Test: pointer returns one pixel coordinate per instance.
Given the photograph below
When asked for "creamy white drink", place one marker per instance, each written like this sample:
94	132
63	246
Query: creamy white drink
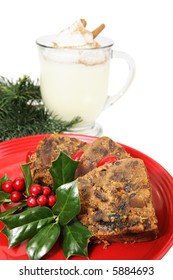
74	88
74	75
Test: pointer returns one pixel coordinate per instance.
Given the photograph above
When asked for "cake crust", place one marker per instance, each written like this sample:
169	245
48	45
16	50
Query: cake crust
116	202
48	150
116	199
94	152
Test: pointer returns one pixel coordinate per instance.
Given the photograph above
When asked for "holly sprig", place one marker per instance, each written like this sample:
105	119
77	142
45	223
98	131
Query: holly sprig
43	226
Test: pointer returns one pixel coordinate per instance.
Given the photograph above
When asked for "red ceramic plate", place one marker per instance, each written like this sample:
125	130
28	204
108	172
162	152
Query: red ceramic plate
13	153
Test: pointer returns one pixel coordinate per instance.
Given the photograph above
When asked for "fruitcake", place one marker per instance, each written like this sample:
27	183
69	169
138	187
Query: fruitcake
98	149
48	150
116	202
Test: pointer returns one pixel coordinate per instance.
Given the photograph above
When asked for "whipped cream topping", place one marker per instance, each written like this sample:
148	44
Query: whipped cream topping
75	44
75	36
86	56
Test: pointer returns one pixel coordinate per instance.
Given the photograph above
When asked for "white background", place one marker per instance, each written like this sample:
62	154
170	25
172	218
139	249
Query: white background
143	117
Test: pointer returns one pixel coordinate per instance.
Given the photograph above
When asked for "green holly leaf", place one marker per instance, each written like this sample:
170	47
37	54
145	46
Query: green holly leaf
27	176
26	224
28	216
63	170
67	205
43	225
75	239
43	241
4	197
13	210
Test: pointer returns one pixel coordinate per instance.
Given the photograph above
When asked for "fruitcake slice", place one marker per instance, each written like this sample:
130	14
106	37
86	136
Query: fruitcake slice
116	202
48	150
98	149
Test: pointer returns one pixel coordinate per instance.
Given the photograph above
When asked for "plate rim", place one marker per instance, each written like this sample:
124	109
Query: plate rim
83	137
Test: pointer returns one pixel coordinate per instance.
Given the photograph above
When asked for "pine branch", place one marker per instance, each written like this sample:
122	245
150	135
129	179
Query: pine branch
22	112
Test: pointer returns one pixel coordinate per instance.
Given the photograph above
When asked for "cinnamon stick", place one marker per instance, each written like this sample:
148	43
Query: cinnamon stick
83	22
96	31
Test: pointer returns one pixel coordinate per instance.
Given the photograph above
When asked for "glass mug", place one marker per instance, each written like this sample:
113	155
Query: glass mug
74	81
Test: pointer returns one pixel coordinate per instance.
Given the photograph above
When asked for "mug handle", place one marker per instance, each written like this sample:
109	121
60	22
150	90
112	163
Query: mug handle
118	54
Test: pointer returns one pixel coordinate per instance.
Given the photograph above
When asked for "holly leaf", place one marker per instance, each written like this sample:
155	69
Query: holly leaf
4	197
43	241
26	224
75	239
28	216
13	210
67	205
27	176
63	170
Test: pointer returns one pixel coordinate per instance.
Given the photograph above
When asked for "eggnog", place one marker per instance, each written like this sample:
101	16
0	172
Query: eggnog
72	89
74	74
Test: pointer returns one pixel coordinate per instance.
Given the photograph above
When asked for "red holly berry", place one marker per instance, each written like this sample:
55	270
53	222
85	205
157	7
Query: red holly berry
15	196
46	190
42	200
51	200
19	184
7	186
32	201
35	190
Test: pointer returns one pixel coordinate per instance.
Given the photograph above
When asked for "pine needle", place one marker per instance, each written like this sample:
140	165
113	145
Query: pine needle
22	112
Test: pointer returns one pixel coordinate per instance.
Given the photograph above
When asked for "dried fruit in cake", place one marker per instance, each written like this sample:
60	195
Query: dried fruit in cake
97	150
47	151
116	202
116	198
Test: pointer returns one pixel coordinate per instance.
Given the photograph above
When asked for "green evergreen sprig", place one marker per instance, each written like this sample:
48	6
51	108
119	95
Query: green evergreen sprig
23	113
